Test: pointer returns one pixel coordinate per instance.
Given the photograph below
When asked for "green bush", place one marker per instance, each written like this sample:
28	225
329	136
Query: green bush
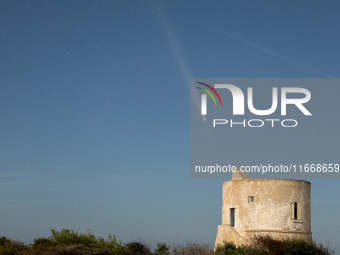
43	241
70	237
230	248
7	251
137	248
288	246
11	247
112	244
162	248
3	240
293	246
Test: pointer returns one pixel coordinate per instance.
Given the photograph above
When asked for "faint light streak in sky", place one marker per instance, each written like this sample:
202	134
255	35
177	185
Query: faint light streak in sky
264	49
172	40
174	43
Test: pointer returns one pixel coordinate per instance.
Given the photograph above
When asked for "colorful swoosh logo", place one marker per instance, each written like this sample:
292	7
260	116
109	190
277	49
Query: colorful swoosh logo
208	92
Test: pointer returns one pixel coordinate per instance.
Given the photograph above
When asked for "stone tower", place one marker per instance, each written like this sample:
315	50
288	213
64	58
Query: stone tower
277	207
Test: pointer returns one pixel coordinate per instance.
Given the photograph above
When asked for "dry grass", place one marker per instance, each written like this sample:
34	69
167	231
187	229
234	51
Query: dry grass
192	249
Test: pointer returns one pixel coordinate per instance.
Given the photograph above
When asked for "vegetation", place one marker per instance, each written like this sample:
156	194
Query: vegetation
266	245
69	242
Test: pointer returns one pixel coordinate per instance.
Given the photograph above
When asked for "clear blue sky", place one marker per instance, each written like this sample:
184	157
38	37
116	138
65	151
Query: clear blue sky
94	109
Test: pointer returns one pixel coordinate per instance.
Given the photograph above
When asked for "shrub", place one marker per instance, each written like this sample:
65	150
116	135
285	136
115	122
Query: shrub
111	243
70	237
192	248
137	248
79	249
73	238
162	248
42	241
230	248
11	247
267	244
293	246
3	240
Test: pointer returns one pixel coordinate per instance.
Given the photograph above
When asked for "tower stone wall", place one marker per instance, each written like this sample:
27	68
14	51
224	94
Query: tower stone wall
277	207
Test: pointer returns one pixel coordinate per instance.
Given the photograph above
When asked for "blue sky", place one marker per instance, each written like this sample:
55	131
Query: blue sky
94	109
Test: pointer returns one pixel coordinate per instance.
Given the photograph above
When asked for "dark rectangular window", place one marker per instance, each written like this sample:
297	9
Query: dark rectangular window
232	217
295	211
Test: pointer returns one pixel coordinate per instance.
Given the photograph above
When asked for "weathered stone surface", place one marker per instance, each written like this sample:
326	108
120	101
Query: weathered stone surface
239	173
228	233
271	211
